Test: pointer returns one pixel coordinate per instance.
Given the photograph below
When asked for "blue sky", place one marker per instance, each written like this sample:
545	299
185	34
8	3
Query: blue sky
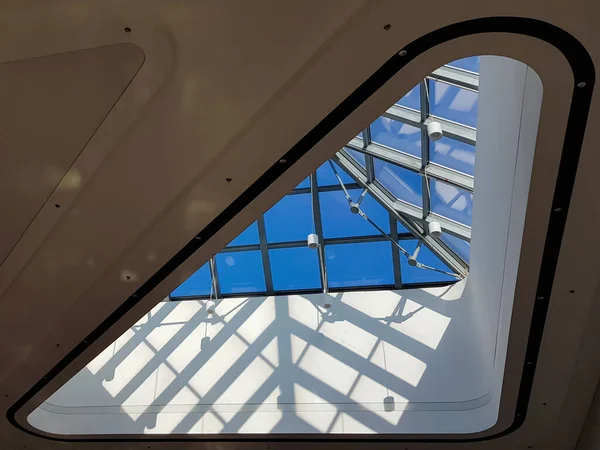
355	264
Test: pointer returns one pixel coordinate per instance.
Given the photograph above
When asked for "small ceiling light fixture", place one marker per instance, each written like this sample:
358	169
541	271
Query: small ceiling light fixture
434	131
312	241
210	306
435	229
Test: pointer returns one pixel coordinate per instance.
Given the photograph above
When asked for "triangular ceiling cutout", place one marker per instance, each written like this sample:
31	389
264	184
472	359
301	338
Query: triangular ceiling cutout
274	335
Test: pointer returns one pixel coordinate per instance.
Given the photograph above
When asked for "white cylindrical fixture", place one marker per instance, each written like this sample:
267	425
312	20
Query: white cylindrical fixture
412	260
210	307
435	229
434	131
312	241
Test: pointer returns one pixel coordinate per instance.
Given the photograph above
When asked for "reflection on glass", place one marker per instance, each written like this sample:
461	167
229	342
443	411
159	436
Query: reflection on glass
295	268
197	285
338	221
240	272
451	202
404	184
357	156
471	64
290	219
412	274
453	103
247	237
362	264
460	247
397	135
411	100
453	154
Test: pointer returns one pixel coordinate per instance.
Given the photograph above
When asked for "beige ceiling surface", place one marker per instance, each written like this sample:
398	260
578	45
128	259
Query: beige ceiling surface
49	109
225	88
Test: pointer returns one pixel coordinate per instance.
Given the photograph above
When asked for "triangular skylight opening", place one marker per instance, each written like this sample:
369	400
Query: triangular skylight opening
271	327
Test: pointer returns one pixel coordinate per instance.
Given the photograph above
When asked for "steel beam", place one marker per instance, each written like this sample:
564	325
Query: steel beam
413	163
333	187
316	207
214	277
458	77
395	254
425	188
264	252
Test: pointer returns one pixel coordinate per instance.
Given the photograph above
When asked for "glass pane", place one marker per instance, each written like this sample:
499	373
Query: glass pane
454	154
453	103
361	264
471	64
460	247
305	183
240	272
397	135
451	202
326	176
412	99
402	229
197	285
416	275
290	219
247	237
295	268
357	156
402	183
338	221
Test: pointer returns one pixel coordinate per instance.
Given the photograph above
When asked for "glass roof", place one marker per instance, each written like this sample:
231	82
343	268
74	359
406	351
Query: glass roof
398	181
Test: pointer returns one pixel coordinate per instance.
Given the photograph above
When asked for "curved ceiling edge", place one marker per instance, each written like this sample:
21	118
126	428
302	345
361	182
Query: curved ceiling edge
584	76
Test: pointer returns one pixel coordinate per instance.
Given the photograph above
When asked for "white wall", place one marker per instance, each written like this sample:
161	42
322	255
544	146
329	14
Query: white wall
281	364
510	99
414	361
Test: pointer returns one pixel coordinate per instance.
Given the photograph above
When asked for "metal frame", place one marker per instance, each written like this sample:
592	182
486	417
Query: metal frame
318	224
388	201
412	217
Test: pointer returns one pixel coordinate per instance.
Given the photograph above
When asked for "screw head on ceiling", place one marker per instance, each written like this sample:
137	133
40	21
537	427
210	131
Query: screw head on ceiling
581	84
402	53
387	26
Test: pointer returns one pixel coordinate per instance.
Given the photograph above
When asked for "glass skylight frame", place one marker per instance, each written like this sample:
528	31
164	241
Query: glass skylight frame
422	165
412	217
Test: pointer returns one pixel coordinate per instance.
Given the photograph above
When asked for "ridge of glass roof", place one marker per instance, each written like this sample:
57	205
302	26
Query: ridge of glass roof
403	181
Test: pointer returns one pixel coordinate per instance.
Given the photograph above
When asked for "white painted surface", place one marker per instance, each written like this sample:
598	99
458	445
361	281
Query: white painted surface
283	364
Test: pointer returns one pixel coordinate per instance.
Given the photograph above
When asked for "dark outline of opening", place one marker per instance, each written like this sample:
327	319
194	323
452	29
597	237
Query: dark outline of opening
583	71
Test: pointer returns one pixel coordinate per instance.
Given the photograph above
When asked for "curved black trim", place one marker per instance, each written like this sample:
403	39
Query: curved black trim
583	71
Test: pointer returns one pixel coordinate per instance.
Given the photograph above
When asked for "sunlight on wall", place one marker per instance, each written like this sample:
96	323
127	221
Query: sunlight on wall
425	325
275	364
